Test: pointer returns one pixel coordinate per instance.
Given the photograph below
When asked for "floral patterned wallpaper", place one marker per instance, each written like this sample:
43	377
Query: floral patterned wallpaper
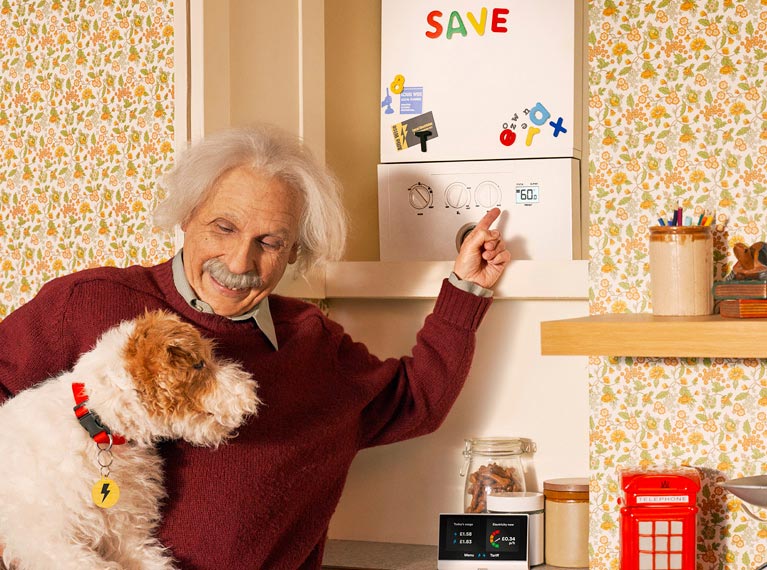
677	117
86	128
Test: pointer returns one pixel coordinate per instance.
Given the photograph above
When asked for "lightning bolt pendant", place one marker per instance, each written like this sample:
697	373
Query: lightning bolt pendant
105	493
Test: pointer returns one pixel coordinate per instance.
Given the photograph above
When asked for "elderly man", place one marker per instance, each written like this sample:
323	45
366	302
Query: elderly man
252	201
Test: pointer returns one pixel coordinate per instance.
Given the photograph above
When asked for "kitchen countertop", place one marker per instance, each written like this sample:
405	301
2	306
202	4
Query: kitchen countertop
362	555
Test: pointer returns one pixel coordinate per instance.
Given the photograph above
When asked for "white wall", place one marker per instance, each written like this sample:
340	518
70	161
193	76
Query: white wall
394	493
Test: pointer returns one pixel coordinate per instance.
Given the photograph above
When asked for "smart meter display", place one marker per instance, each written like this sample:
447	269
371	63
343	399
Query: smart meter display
483	537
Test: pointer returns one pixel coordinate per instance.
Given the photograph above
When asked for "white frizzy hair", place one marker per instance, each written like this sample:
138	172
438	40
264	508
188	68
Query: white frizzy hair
274	153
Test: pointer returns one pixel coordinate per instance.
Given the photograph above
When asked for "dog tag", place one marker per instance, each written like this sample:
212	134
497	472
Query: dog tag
105	493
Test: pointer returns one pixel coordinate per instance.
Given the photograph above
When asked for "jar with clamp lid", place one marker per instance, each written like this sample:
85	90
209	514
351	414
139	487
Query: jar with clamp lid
493	465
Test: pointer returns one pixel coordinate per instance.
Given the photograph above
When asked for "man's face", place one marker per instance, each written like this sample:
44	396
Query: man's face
238	242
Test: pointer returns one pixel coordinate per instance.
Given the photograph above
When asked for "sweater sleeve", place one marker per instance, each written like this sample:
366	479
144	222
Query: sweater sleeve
33	345
411	396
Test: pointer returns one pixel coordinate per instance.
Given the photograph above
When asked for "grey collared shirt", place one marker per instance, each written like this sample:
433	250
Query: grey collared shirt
260	313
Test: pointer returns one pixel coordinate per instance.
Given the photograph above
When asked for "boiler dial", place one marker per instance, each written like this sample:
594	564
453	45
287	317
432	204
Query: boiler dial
488	194
419	196
457	195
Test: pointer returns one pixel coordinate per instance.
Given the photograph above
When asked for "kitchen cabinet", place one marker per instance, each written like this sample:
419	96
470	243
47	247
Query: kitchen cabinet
642	334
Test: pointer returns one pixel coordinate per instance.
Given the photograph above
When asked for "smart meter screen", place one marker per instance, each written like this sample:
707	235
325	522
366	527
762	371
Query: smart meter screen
483	537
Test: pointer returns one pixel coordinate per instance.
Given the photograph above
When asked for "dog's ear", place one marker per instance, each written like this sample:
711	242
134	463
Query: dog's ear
176	351
178	356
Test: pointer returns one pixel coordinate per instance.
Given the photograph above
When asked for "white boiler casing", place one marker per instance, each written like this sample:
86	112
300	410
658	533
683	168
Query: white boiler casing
489	80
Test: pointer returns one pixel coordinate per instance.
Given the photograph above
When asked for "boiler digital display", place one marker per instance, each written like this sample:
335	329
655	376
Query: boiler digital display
483	537
527	195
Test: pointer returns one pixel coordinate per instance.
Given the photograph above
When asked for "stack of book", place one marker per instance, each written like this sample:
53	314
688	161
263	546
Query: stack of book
741	298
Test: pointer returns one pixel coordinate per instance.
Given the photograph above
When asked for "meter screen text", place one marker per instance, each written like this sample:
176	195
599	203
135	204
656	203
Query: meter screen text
483	537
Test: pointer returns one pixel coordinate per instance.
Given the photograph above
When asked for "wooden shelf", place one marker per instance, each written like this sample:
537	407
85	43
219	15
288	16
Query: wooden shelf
648	335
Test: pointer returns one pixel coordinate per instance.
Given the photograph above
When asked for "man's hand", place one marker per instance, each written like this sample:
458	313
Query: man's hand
483	255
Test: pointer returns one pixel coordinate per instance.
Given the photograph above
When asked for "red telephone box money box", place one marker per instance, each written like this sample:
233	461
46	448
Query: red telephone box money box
658	530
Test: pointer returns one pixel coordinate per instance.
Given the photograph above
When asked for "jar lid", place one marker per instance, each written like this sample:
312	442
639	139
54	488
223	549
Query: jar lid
514	502
499	446
572	484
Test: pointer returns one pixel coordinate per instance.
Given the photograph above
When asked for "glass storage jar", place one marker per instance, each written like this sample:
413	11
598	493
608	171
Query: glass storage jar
493	465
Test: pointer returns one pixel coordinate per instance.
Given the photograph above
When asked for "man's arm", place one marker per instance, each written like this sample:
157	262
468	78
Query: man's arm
415	393
33	345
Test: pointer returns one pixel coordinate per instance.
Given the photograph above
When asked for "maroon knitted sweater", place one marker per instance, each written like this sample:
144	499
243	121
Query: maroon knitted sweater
264	500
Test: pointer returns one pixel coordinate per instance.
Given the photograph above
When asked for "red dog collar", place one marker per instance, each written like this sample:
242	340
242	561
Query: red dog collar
90	421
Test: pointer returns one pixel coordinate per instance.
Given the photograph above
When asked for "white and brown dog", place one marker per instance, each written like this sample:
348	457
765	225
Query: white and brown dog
147	379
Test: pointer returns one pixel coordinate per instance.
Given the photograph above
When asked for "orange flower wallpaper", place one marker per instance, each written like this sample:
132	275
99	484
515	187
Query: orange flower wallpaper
677	117
86	129
677	104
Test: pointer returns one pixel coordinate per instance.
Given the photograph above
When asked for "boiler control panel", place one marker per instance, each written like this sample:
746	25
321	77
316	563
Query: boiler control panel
424	207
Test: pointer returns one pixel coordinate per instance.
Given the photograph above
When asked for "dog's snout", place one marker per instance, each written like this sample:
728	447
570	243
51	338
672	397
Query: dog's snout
229	399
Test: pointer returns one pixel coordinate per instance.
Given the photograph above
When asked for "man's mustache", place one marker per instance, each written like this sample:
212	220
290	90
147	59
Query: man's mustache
218	270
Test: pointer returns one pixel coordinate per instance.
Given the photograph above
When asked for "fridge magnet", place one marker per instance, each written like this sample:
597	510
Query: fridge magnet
386	104
539	115
456	24
508	132
508	136
411	101
398	84
412	132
